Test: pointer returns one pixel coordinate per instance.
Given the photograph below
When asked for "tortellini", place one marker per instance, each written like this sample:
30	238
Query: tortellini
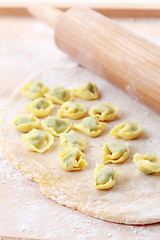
90	126
58	95
72	159
105	177
114	152
40	107
147	163
127	130
25	122
72	110
56	125
87	91
34	90
104	111
71	140
38	140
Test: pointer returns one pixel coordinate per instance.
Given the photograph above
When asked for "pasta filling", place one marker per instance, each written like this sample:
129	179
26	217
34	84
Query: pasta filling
90	123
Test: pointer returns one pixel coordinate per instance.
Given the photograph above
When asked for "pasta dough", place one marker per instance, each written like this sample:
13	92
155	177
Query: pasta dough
72	159
40	107
37	140
147	163
34	89
105	177
90	126
72	110
128	130
56	125
58	95
133	199
87	91
104	111
25	122
114	152
72	139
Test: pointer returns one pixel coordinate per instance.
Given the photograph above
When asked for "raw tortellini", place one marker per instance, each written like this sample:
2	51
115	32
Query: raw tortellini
26	122
104	111
56	125
72	159
37	140
105	177
40	107
90	126
72	110
147	163
34	90
127	130
87	91
114	152
58	95
71	140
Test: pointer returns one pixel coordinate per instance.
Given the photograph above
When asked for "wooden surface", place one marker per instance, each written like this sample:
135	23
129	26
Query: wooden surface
46	14
24	211
108	9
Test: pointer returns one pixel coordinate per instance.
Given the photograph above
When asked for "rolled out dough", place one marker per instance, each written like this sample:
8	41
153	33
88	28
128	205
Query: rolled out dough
135	199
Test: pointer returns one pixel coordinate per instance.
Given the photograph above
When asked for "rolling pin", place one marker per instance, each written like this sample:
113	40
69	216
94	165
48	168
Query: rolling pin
115	53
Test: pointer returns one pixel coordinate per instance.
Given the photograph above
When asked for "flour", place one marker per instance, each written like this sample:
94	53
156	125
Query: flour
50	220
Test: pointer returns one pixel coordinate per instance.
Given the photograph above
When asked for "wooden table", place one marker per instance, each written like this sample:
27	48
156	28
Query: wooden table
26	47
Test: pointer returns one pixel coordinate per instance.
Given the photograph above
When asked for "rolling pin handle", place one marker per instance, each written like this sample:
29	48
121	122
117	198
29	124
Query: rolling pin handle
45	13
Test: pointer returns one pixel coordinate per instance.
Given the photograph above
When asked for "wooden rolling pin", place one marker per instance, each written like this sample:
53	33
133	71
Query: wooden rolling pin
98	43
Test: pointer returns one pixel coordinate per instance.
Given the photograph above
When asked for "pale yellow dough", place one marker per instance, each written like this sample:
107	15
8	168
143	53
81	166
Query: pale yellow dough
127	130
133	199
90	126
55	125
114	152
72	159
58	95
71	140
34	89
147	163
40	107
26	122
38	141
87	91
105	177
104	111
72	110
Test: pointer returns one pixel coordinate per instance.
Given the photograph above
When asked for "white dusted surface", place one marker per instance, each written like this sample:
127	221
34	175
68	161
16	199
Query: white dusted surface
21	55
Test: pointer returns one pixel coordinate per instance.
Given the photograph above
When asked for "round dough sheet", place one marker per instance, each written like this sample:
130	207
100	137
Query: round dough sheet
135	199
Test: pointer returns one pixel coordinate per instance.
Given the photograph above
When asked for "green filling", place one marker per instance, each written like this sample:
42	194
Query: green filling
24	119
41	105
104	175
73	107
90	123
88	86
38	138
60	93
70	157
35	87
100	108
117	148
74	138
59	125
129	128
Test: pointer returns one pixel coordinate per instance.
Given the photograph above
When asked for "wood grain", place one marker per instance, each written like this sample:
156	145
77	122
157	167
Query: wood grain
139	10
46	14
126	59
